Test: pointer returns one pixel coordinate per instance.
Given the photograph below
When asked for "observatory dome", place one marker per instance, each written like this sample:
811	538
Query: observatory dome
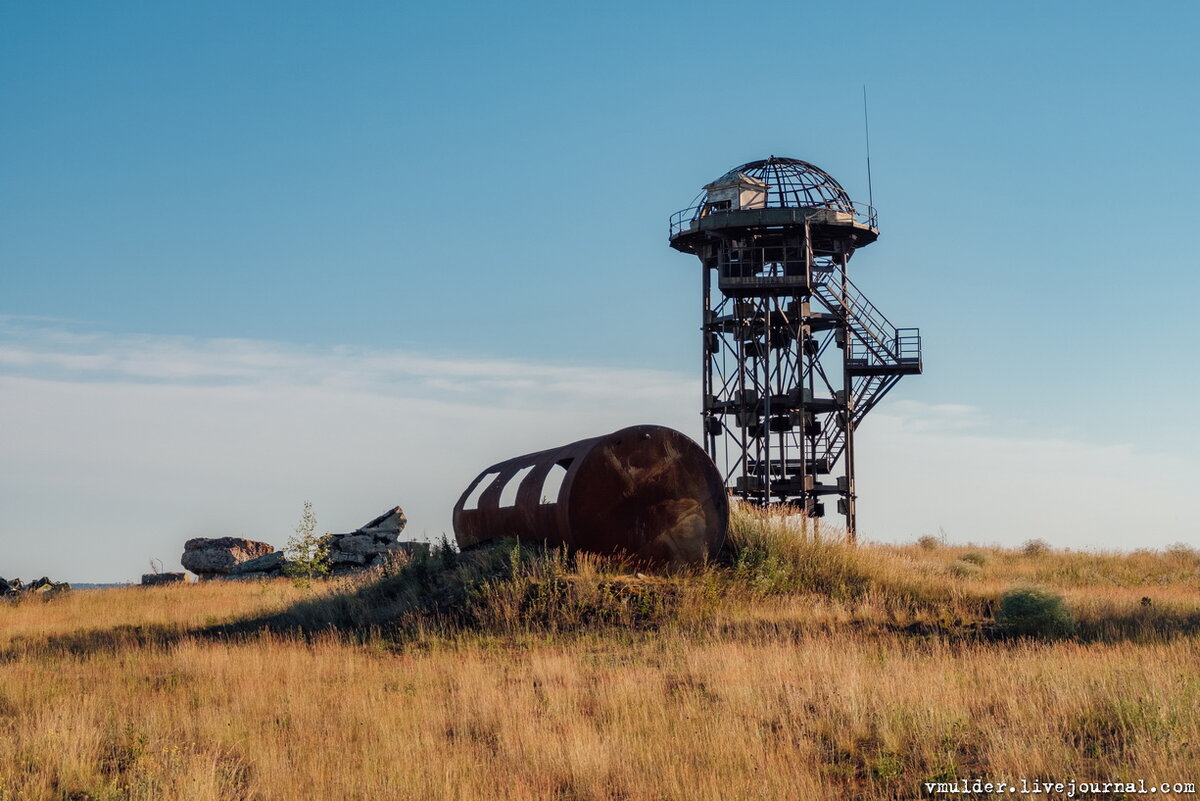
770	192
788	183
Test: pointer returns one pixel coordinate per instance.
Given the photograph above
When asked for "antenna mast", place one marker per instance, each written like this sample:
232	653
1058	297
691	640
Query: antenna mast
867	131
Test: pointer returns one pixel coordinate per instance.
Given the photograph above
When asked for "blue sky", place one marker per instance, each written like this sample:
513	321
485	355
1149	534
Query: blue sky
337	187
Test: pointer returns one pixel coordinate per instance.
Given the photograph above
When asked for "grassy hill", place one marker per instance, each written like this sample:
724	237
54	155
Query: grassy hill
790	668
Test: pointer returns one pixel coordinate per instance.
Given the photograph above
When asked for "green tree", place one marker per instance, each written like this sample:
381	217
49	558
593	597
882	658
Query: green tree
307	554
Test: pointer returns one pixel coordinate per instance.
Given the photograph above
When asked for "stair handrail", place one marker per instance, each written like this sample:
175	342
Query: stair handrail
876	331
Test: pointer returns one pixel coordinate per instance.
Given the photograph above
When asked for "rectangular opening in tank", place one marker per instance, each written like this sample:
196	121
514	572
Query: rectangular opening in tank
552	486
472	501
508	495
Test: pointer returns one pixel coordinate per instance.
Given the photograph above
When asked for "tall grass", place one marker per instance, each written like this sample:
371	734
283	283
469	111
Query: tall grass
771	562
793	666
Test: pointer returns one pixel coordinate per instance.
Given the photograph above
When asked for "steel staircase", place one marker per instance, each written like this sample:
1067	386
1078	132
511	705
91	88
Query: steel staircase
877	355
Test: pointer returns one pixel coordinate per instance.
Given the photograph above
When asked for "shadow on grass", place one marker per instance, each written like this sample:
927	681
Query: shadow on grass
1141	624
356	616
500	588
90	642
508	588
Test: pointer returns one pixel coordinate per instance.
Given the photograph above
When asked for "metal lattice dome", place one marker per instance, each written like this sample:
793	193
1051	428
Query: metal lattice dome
787	191
792	183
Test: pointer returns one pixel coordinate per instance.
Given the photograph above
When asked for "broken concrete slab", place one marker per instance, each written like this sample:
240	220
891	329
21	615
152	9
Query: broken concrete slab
158	579
271	564
217	556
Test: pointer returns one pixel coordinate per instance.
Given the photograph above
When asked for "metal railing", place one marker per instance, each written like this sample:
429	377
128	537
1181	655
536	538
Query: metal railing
685	219
908	344
871	328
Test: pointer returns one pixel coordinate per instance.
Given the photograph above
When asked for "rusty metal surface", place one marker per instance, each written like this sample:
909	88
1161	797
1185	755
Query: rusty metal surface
646	491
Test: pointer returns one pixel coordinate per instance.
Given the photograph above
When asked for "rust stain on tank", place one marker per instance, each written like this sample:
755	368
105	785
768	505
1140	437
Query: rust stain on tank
646	491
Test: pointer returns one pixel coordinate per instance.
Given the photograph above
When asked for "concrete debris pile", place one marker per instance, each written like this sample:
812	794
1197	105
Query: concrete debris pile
215	557
157	579
13	588
240	559
371	544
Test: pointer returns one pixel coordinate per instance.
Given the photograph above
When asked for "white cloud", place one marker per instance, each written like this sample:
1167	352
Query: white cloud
116	449
925	469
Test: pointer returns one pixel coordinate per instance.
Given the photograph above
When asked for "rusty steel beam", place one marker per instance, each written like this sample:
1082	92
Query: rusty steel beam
646	491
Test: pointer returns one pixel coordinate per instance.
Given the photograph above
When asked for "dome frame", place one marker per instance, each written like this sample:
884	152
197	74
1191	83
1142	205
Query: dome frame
792	183
789	184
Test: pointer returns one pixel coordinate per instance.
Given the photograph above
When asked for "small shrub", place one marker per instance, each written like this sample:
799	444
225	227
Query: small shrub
929	543
448	553
1035	548
306	553
1034	612
764	572
965	569
975	558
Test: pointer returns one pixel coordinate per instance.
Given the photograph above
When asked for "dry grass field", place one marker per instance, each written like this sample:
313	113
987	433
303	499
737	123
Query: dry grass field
795	669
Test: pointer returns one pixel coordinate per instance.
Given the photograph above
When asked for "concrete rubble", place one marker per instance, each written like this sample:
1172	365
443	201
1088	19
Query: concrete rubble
158	579
263	566
239	559
13	588
212	557
372	543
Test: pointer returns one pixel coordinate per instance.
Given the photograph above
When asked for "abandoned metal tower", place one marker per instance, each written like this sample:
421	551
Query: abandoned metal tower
794	354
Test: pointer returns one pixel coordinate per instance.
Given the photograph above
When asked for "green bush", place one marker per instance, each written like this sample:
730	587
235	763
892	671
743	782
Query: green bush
1034	612
929	543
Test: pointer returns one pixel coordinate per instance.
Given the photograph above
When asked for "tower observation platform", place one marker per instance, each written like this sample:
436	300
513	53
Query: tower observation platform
795	355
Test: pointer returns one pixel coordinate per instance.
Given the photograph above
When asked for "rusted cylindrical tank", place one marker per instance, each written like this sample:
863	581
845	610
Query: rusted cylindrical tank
646	491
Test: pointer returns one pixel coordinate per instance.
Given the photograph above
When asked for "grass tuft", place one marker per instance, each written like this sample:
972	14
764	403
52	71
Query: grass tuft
964	569
977	558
